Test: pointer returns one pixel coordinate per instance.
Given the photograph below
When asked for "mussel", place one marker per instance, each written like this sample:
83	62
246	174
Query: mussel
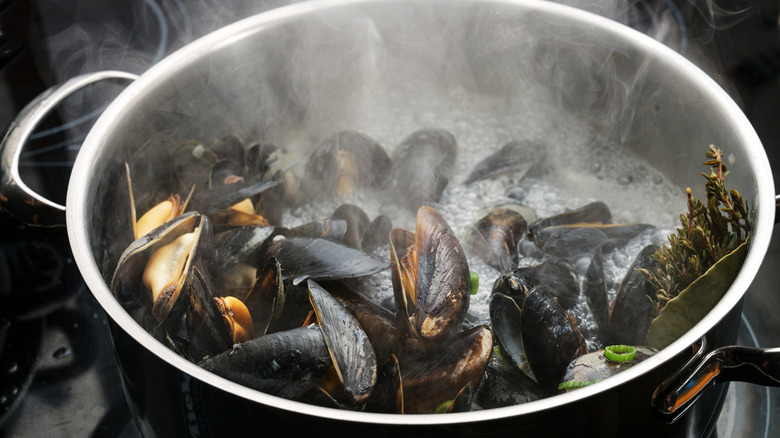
158	214
361	232
516	157
154	270
286	364
557	275
431	278
445	371
536	333
423	166
346	161
495	236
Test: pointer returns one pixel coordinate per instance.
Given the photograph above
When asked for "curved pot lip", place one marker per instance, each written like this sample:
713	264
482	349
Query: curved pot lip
77	207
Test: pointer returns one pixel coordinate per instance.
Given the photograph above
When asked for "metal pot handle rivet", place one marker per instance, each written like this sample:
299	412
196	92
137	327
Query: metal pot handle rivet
15	196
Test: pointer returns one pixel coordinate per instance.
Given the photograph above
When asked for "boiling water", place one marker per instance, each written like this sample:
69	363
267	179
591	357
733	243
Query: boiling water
579	168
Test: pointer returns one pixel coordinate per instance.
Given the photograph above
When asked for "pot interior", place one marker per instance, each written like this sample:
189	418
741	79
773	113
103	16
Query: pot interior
488	71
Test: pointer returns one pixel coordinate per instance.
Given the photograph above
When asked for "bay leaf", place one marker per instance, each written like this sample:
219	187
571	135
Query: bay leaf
688	308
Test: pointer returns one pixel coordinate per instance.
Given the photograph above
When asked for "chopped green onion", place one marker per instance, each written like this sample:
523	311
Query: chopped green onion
620	353
574	384
474	282
443	408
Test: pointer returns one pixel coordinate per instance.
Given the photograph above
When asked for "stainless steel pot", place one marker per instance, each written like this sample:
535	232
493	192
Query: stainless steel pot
271	74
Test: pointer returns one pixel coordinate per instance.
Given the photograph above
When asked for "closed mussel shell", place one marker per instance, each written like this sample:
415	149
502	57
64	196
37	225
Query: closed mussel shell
593	213
285	364
516	157
571	240
595	289
550	337
357	222
422	167
558	277
633	308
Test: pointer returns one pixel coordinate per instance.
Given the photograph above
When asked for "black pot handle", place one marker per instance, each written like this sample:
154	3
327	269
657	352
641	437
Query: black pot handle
727	364
15	197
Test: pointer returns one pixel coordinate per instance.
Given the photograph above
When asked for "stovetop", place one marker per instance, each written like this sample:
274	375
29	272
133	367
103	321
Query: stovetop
58	375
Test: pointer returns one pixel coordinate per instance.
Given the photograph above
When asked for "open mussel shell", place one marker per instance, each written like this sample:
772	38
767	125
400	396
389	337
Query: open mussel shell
333	229
265	301
346	161
446	370
157	212
237	245
127	283
286	364
225	172
506	315
495	236
423	167
516	157
222	197
207	331
431	278
634	306
349	346
379	323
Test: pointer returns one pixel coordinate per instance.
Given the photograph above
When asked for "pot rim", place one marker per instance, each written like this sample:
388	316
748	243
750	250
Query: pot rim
77	208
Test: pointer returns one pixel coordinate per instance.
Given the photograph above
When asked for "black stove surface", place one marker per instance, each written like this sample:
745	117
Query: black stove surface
58	375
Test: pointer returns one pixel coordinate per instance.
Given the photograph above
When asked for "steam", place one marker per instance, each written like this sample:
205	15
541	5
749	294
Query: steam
325	67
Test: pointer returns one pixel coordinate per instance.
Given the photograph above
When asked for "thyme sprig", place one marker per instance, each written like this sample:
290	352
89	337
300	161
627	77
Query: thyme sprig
707	233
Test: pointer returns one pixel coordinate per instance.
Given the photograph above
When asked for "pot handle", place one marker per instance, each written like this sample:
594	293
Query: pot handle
15	196
727	364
